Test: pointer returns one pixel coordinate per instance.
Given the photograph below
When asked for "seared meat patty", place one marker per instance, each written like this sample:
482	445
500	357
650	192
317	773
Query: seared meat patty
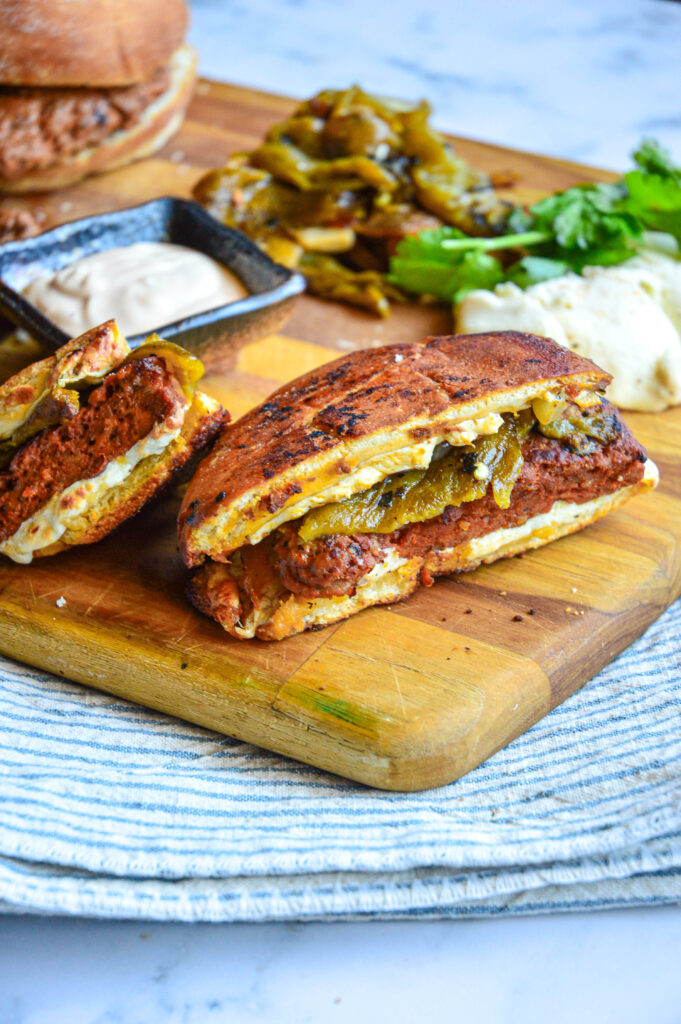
330	565
122	410
335	564
38	127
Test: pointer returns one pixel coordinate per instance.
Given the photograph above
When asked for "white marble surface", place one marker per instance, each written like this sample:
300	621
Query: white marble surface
583	79
619	966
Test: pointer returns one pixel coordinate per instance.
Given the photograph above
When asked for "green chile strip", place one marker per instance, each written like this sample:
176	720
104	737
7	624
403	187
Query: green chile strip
420	494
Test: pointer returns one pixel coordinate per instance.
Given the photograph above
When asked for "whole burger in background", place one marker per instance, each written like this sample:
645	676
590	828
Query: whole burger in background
88	85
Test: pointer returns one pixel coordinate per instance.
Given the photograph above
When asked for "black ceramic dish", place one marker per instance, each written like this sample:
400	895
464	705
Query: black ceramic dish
212	335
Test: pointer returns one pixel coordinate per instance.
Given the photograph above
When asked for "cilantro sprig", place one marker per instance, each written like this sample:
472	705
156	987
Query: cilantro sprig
654	190
601	224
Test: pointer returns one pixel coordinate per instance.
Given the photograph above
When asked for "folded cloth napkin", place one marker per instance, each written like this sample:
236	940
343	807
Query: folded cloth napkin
110	810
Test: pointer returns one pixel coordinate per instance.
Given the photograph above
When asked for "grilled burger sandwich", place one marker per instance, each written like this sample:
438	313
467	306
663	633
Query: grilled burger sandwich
356	483
90	434
88	85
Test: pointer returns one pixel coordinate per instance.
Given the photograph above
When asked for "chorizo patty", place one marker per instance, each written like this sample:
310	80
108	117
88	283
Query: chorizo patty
38	127
123	409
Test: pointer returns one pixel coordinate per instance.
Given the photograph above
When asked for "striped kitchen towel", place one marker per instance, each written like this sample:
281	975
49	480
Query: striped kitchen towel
110	810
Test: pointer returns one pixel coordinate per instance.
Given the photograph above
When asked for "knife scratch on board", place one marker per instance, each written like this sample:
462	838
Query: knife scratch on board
399	690
100	598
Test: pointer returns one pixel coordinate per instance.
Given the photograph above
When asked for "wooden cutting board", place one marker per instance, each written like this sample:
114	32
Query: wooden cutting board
406	697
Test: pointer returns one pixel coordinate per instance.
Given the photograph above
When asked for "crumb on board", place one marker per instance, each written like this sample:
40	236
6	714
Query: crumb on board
15	222
504	178
60	602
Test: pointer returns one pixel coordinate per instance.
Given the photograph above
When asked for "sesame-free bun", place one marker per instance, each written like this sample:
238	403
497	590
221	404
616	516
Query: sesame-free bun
156	126
96	43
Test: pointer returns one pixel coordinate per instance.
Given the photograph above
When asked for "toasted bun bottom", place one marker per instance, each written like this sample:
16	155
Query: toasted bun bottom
160	121
214	590
203	419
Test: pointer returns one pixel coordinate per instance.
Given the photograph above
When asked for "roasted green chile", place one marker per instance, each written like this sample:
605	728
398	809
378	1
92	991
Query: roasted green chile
583	430
370	167
458	475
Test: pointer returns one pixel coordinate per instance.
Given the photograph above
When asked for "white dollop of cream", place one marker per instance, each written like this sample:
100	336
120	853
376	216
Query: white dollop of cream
143	287
627	319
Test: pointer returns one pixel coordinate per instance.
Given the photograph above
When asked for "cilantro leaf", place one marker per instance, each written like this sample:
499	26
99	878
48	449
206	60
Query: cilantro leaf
652	158
655	201
428	244
421	264
477	270
585	219
532	269
654	191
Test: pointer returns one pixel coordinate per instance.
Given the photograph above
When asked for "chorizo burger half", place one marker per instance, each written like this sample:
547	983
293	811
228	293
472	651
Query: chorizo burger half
88	85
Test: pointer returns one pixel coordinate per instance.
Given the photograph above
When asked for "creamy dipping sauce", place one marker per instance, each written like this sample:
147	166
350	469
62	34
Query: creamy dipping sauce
143	286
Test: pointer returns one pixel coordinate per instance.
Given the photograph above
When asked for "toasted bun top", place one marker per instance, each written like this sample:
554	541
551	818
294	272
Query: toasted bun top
339	429
84	359
87	42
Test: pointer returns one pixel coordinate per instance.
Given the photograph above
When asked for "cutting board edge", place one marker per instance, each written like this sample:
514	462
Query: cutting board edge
380	762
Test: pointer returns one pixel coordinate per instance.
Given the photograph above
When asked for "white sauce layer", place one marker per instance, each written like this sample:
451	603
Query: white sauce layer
143	286
53	520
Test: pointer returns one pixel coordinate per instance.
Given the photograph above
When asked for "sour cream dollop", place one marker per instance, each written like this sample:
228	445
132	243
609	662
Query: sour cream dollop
627	319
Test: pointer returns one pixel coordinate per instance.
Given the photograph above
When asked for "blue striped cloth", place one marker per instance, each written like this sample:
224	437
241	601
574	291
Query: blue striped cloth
107	809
